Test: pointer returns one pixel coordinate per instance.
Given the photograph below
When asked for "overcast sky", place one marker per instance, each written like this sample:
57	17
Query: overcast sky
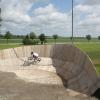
51	17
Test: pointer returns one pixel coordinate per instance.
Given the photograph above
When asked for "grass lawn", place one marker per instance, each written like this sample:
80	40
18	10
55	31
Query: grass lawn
6	46
93	50
64	39
4	41
98	68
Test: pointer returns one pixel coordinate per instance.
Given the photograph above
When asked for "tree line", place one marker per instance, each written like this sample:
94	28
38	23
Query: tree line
29	39
32	38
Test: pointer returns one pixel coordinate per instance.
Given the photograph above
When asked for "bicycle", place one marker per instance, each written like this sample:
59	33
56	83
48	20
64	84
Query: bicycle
32	61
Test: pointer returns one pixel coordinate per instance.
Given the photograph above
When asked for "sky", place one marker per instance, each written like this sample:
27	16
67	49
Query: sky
51	17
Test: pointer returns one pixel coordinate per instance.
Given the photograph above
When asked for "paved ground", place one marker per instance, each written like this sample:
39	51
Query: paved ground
34	82
42	72
12	88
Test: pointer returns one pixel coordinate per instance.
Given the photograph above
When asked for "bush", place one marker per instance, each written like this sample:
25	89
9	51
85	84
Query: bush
35	42
30	42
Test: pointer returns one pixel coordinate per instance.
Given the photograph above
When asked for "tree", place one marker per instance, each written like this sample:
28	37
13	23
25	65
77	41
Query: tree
8	35
71	38
88	37
42	38
32	35
0	17
98	37
0	21
55	36
28	41
1	36
27	37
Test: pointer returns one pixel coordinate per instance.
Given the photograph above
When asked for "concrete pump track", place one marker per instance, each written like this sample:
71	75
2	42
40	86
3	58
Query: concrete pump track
64	73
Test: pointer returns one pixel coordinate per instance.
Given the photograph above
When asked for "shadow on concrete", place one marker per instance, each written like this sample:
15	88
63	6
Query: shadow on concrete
75	69
96	93
62	59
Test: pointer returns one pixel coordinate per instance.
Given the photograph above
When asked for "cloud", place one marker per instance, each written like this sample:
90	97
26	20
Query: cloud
45	19
50	14
92	2
16	11
52	20
45	10
87	2
48	19
87	19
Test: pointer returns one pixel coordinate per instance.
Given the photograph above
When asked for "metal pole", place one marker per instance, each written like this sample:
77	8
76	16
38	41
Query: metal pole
72	25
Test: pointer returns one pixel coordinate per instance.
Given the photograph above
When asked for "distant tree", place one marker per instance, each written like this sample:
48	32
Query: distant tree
0	17
88	37
17	36
8	35
71	38
1	36
26	40
22	36
55	36
32	35
42	38
98	37
0	21
27	37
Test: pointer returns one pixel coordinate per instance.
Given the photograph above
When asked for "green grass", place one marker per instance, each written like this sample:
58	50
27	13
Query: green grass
93	50
61	40
4	41
6	46
98	68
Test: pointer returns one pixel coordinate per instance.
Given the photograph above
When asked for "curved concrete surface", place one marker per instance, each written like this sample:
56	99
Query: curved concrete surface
61	63
12	88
